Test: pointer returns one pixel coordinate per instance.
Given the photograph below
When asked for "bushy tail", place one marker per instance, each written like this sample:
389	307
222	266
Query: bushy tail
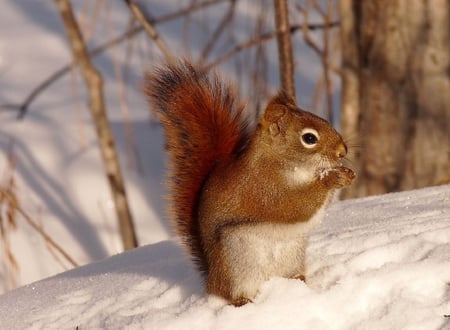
203	126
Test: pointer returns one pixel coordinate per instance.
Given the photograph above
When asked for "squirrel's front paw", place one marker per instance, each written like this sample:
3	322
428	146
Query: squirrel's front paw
338	177
345	177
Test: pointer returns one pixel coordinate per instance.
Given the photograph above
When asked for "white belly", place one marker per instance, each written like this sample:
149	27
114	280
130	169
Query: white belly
260	251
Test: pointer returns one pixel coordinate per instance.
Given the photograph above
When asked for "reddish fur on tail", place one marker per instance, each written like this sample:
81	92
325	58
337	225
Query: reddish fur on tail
203	126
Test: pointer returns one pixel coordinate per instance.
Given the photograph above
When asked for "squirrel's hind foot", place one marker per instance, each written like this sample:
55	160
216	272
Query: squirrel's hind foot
300	277
241	301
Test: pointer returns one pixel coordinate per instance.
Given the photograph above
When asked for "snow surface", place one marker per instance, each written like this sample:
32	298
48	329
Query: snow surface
375	263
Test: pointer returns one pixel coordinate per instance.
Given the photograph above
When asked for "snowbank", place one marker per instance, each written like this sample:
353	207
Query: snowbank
375	263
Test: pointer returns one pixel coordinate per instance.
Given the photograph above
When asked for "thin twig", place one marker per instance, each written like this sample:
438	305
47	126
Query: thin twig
148	27
88	27
227	18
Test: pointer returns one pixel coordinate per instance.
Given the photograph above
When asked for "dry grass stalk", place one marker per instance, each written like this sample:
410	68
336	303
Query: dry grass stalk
8	222
47	238
10	209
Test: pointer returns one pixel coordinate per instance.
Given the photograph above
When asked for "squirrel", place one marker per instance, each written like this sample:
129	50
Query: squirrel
243	199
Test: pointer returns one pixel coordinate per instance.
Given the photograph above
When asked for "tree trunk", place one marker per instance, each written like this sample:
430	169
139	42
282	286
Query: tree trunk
399	73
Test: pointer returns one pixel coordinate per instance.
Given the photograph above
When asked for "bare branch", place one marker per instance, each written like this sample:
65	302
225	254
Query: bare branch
324	51
22	108
307	37
94	82
263	38
227	18
285	54
148	27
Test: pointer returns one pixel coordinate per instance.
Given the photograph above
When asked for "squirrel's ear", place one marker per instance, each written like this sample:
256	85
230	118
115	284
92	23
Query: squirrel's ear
275	113
284	98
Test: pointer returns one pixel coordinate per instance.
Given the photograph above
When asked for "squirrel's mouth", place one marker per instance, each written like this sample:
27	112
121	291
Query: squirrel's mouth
326	165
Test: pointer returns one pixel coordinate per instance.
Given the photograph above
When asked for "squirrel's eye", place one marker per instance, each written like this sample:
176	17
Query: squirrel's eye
309	137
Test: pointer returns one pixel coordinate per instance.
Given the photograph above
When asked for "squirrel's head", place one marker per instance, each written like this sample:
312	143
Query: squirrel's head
300	137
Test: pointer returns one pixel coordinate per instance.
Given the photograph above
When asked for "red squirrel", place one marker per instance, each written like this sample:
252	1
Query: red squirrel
243	199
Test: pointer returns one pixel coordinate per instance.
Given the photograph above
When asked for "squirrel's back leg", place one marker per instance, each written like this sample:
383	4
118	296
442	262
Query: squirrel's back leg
219	277
248	254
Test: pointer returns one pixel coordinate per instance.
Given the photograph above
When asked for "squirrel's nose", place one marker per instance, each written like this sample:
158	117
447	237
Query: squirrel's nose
341	151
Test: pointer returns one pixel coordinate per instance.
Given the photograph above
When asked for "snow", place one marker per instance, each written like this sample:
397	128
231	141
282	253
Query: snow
375	263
